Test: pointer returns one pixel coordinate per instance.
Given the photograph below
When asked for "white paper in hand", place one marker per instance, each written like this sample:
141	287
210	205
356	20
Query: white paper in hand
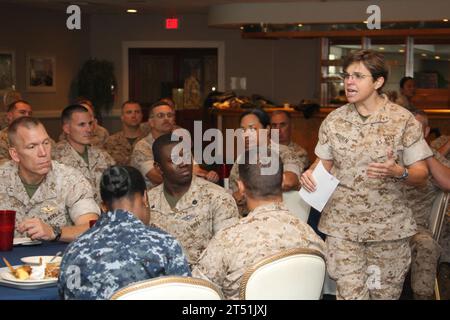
326	184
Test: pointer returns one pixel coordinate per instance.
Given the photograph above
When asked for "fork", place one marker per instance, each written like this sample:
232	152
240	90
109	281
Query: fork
56	255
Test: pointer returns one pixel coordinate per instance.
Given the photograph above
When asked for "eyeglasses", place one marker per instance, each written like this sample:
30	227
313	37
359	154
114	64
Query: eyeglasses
355	76
162	115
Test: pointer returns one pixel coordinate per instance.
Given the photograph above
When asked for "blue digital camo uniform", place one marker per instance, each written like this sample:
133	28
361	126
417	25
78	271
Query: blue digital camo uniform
117	251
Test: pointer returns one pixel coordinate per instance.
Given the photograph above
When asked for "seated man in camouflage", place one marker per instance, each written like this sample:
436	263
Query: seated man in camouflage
162	121
99	134
190	208
268	228
120	249
17	109
52	201
281	120
77	151
425	251
120	145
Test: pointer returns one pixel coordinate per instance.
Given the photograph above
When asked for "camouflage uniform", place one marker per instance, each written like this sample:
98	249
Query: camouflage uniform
301	153
425	250
118	146
63	196
202	211
116	252
98	138
266	230
145	128
365	216
291	162
439	142
99	160
142	157
4	144
445	238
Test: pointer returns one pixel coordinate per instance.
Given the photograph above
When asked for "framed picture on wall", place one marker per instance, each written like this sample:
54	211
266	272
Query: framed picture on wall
41	74
7	71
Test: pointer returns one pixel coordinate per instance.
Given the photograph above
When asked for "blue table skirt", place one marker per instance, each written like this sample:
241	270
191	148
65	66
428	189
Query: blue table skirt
44	249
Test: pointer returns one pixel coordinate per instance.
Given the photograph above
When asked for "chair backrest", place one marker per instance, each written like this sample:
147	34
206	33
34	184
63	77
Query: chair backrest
170	288
295	274
296	205
438	212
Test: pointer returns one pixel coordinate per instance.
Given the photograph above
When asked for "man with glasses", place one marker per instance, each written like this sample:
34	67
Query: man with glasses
281	120
161	120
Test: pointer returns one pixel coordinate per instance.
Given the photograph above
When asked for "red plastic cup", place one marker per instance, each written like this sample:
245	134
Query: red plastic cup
7	225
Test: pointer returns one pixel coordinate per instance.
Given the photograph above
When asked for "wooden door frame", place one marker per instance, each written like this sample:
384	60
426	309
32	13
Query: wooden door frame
219	45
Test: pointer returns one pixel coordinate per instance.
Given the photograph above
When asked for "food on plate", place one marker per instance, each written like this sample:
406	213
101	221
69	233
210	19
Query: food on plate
52	270
22	273
39	272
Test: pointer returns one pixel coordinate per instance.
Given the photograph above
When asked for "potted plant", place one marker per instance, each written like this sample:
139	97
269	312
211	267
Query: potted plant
96	82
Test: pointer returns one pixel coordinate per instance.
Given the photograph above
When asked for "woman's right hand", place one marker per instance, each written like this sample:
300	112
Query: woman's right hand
307	181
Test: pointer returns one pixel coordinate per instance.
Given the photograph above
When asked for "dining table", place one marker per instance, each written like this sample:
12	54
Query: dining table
46	248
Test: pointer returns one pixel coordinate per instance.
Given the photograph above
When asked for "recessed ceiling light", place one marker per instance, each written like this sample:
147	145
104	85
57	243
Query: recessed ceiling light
437	57
381	48
423	54
242	28
131	10
401	50
300	25
445	20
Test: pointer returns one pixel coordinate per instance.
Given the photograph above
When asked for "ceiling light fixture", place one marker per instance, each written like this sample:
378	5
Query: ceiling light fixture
445	20
381	48
300	25
131	10
437	57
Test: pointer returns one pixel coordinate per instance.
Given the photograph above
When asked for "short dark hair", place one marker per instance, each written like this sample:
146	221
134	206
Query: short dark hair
27	122
404	80
121	181
372	60
257	184
287	114
160	143
12	105
157	104
262	116
83	100
130	102
66	114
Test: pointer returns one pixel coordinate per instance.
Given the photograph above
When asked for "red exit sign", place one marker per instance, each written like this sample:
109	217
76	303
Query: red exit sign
172	23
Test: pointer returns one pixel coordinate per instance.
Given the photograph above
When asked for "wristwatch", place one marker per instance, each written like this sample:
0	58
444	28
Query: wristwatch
57	232
404	176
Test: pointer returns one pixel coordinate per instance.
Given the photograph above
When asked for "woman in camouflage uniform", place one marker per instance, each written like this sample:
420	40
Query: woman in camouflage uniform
374	147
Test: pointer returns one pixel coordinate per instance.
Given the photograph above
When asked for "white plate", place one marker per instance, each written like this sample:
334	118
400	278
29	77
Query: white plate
24	285
35	259
7	275
25	242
